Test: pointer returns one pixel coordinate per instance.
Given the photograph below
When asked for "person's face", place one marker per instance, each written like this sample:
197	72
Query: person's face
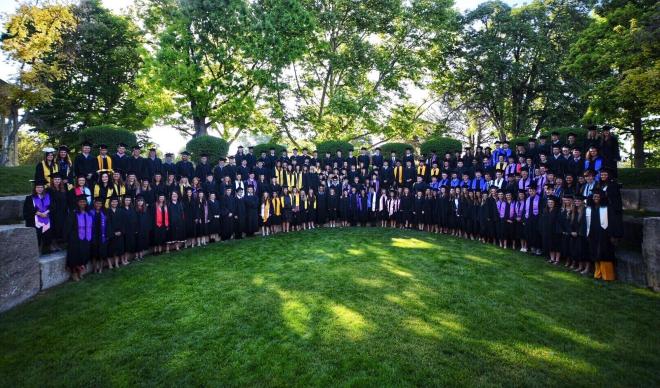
114	203
136	152
127	201
103	151
121	150
50	156
604	176
593	152
105	178
589	178
531	192
500	196
57	180
81	182
86	149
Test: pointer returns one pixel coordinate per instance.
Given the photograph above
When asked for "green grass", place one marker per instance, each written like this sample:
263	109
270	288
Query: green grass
335	307
16	180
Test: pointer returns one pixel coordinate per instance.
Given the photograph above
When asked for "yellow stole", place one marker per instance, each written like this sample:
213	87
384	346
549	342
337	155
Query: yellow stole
48	171
99	162
398	174
290	179
435	171
108	194
265	211
279	174
421	170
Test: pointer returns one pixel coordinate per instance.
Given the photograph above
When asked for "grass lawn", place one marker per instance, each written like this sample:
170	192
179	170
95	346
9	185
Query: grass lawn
16	180
335	307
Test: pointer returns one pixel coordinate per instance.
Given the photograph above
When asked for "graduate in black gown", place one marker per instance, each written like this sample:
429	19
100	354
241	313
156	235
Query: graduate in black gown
214	216
117	223
100	236
343	209
58	192
130	229
176	235
604	230
551	230
227	214
189	216
145	226
321	206
36	213
161	221
79	232
251	212
240	216
406	209
201	219
418	210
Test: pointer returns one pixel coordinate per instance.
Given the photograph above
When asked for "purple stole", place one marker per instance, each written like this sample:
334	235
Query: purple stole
532	204
520	208
85	222
41	204
501	208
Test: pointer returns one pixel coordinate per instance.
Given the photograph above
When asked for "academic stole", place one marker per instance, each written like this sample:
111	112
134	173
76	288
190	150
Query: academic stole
99	162
398	174
108	194
290	179
421	170
265	211
277	206
299	179
279	174
48	171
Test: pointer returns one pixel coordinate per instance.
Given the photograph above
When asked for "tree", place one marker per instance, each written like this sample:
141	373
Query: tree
30	36
99	60
363	56
214	61
618	54
507	64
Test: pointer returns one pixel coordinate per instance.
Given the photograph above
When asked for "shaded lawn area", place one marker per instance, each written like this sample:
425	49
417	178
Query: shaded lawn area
335	307
16	180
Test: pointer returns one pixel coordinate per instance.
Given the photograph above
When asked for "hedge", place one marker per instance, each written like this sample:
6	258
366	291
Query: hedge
265	147
639	178
441	145
332	146
109	135
399	148
214	146
580	133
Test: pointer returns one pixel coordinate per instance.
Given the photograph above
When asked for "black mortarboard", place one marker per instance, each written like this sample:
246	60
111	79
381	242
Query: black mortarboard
122	145
579	197
606	127
81	197
39	182
571	134
521	191
58	174
204	155
87	143
63	148
554	133
139	197
152	149
114	197
137	147
543	137
185	153
168	154
103	147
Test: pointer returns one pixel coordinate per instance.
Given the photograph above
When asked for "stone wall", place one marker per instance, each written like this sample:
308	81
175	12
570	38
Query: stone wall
641	199
651	252
19	265
11	209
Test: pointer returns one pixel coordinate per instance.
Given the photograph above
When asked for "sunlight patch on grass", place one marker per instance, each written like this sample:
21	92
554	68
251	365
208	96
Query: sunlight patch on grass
257	280
411	243
396	270
353	324
449	322
572	335
548	355
478	259
422	328
295	314
373	282
355	252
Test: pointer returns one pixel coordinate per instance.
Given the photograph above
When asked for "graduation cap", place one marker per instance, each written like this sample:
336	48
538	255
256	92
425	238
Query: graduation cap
223	159
505	142
117	171
139	197
122	145
145	179
48	150
521	191
81	197
544	137
606	128
592	128
58	174
240	146
568	196
579	197
152	149
571	134
39	182
169	154
488	148
532	185
250	147
114	197
103	147
86	143
63	148
186	153
531	140
554	133
239	189
520	144
204	155
81	175
607	170
553	198
131	172
137	147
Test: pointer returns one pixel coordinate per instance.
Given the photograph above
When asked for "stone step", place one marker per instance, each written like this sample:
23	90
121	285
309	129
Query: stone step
11	209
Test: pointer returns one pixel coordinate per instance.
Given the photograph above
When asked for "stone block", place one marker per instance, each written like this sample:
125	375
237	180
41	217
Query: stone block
630	199
651	251
19	265
630	267
11	209
649	200
53	269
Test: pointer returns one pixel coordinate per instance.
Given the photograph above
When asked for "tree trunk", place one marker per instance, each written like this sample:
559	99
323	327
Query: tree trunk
199	124
638	143
8	155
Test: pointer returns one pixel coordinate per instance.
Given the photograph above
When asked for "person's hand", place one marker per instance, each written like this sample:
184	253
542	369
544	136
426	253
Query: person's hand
117	233
574	234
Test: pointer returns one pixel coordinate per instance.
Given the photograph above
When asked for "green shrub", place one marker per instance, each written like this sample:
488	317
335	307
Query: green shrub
265	147
441	145
639	178
399	148
332	146
109	135
214	146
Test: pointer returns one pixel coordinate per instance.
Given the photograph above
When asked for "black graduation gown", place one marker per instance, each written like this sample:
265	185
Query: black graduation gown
406	208
214	217
78	250
252	214
443	211
58	213
177	232
321	208
227	212
418	210
550	230
240	217
130	230
100	235
343	208
189	216
117	222
160	233
144	229
600	243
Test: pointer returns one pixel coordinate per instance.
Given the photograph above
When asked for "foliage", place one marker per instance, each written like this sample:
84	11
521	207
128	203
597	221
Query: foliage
265	147
399	148
109	135
214	146
358	66
30	145
507	63
441	145
305	316
619	56
30	38
332	146
16	180
212	60
639	178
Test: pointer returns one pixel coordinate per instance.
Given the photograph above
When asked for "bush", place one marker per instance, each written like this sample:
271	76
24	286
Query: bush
265	147
580	133
399	148
109	135
639	178
332	146
441	145
214	146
